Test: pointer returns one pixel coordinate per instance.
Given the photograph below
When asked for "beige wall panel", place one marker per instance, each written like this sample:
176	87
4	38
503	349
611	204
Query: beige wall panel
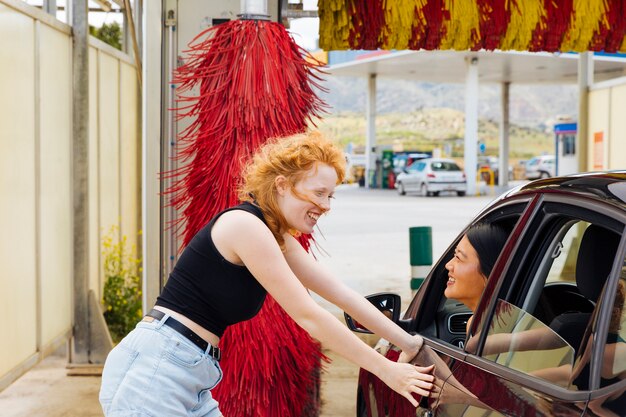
130	147
617	147
108	99
94	172
598	125
17	189
55	190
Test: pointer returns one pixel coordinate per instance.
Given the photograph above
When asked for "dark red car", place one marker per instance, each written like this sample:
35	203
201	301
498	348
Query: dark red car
562	275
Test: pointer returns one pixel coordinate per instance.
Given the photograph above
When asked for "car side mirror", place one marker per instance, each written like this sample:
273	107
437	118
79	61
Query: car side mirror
386	303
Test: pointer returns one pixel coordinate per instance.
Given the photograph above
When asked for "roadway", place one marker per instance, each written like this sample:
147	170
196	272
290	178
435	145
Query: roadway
366	242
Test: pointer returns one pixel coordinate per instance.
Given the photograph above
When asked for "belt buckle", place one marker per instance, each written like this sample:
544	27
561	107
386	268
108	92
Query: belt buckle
216	353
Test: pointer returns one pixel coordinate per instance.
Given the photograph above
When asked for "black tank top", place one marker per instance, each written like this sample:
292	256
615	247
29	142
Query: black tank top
208	289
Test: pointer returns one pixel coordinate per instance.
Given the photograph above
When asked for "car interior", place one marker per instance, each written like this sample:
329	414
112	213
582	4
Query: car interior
562	285
593	266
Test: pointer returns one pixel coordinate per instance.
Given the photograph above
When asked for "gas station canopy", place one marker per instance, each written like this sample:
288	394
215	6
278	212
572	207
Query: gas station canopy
493	66
473	68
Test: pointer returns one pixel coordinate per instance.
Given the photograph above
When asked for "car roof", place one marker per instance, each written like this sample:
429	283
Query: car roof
540	157
437	160
600	186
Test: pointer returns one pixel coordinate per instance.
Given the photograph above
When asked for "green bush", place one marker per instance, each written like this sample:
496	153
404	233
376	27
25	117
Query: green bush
110	33
122	285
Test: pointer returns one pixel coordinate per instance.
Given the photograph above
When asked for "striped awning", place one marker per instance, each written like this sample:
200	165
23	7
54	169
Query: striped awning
520	25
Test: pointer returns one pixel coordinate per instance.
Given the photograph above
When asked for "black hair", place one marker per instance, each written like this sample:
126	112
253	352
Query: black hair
488	240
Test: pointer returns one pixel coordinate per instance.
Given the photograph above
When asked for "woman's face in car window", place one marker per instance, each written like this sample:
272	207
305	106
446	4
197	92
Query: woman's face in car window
465	281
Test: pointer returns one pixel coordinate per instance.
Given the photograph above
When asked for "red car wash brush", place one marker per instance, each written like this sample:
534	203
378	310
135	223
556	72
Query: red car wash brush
242	83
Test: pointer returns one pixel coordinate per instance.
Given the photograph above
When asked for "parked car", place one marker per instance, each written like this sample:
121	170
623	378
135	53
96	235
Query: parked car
430	176
403	160
492	163
562	273
543	166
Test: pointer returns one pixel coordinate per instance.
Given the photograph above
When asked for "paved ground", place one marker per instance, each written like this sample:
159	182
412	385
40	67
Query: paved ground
367	241
366	238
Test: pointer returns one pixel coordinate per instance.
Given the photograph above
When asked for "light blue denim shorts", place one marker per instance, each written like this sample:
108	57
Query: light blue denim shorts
155	371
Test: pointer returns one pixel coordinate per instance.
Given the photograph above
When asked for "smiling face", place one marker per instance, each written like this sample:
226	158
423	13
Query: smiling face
304	202
465	281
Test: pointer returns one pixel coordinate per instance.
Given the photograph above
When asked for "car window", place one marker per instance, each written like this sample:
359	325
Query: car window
569	145
446	319
564	262
561	262
613	368
420	166
444	166
614	360
520	341
399	163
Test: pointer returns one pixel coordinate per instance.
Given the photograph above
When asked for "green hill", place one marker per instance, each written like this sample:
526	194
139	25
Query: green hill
429	128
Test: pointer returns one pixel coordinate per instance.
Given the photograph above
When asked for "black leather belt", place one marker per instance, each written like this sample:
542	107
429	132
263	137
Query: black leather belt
187	332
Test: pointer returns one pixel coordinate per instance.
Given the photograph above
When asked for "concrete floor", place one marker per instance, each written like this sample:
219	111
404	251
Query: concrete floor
366	238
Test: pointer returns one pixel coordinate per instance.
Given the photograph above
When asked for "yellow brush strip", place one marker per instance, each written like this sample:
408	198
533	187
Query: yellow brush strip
586	18
399	20
525	14
335	24
463	28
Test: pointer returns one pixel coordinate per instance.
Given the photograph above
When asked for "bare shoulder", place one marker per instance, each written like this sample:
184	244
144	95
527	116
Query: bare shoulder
236	229
241	223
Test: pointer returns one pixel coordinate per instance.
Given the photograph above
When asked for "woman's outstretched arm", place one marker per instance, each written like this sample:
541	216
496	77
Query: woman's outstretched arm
319	280
252	242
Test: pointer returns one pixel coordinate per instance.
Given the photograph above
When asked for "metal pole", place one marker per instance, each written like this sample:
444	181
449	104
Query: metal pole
139	24
254	9
471	123
80	185
170	246
585	80
151	152
503	167
50	7
370	133
128	12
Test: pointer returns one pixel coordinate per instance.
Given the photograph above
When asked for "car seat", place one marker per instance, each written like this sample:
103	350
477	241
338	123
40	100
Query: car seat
593	266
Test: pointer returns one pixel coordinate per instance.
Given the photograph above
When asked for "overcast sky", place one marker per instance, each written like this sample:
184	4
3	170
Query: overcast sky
305	31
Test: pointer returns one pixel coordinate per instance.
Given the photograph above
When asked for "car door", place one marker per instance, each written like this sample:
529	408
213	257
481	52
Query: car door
413	179
526	348
441	322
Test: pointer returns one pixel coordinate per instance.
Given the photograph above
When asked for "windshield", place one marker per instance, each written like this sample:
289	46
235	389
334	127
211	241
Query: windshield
445	166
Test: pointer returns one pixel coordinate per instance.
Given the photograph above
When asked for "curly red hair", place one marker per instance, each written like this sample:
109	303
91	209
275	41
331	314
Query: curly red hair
291	157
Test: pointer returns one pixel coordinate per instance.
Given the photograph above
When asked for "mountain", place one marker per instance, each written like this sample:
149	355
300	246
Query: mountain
535	106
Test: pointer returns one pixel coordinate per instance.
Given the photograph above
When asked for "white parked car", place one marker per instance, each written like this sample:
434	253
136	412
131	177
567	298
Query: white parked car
431	176
543	166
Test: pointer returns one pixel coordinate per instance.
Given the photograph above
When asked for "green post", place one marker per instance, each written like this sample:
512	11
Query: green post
421	251
387	166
